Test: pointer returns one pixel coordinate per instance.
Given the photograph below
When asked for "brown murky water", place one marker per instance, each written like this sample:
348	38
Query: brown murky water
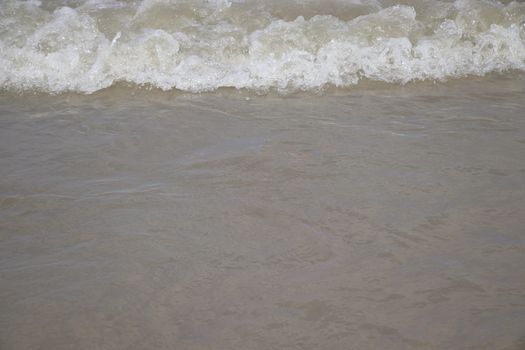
382	217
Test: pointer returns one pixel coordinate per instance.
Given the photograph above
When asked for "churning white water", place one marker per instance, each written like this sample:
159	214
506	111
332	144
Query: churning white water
88	45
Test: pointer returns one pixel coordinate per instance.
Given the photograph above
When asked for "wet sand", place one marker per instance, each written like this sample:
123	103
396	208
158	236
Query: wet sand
381	217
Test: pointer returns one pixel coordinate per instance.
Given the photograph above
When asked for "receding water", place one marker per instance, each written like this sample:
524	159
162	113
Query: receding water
382	217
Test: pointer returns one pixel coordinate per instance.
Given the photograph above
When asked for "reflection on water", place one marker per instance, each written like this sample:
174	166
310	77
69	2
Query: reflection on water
384	217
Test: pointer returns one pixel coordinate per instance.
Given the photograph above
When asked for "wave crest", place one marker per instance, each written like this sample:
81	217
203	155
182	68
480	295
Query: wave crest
202	46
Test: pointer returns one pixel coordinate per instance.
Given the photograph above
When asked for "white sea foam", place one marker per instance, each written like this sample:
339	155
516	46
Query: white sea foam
288	46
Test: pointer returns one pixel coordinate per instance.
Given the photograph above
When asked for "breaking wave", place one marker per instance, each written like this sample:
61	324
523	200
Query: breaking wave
88	45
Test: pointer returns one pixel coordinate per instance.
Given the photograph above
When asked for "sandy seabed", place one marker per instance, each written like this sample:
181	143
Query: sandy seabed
381	217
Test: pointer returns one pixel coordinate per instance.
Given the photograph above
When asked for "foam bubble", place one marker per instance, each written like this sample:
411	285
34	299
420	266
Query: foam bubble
204	45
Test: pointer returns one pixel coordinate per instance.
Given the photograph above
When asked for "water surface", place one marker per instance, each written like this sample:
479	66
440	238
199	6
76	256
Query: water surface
382	217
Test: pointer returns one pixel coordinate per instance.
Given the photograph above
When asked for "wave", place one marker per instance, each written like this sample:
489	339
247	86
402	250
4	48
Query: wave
88	45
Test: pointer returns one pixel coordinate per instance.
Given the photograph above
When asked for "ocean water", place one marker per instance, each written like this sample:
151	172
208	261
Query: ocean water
226	175
290	45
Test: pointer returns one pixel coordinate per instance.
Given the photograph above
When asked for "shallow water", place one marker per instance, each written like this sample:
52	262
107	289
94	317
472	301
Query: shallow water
383	217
